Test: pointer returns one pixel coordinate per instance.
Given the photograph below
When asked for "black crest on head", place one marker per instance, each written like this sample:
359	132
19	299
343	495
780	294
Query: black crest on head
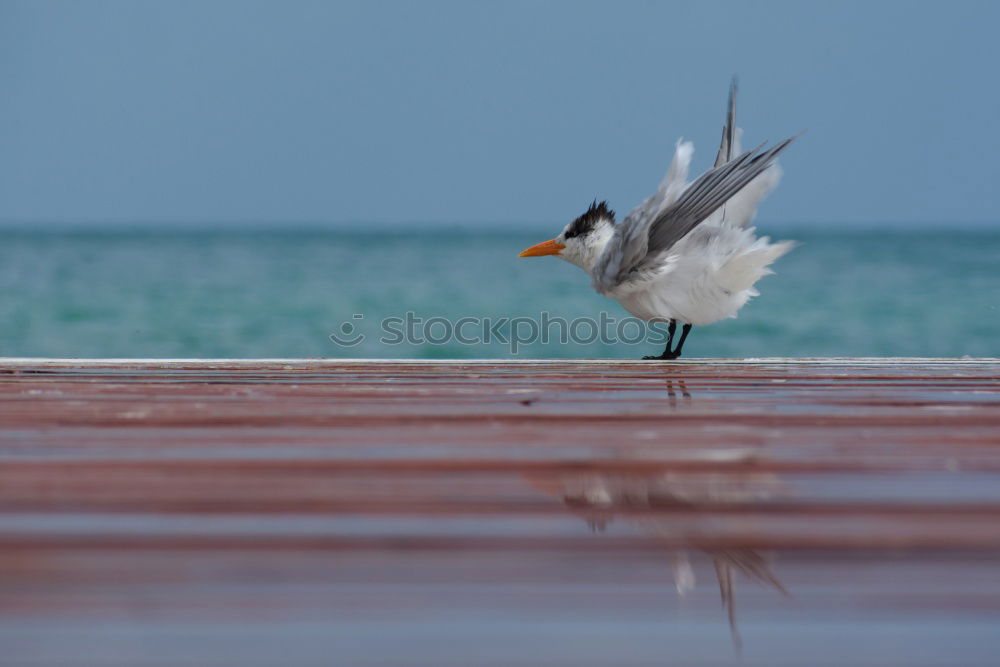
586	222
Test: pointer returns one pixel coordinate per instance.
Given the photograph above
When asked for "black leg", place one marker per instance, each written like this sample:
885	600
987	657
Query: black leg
685	330
676	352
667	354
671	328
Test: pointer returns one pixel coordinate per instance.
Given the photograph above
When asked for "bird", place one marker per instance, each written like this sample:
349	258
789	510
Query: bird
687	254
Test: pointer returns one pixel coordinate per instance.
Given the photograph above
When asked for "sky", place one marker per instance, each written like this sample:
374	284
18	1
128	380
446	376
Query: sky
244	112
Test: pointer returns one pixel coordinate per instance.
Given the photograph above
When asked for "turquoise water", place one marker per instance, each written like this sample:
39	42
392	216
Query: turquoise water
269	293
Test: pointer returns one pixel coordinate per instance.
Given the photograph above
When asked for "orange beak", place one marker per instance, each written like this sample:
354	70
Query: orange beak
544	248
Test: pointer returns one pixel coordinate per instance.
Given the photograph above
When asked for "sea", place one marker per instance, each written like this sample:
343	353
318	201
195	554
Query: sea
439	292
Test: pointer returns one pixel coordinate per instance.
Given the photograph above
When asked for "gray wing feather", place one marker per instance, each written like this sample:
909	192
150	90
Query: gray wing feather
728	130
709	192
633	245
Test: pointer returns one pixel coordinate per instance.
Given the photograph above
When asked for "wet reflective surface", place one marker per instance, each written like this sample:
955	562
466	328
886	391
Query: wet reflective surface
324	513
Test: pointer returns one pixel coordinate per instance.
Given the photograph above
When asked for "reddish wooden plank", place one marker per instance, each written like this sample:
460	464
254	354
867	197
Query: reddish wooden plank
331	512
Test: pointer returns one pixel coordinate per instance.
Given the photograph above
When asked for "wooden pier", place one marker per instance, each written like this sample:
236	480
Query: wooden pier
328	512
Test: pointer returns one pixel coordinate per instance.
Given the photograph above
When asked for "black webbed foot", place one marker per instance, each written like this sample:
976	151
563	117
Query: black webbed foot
666	356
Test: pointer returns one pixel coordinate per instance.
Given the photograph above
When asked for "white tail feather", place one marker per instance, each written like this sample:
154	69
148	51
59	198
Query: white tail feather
747	267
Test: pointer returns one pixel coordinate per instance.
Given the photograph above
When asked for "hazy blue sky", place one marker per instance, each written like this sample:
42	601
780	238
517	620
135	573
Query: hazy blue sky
487	111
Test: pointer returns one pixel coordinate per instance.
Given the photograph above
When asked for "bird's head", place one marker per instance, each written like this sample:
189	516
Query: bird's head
582	240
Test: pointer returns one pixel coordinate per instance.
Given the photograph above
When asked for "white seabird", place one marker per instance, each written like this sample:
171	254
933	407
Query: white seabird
687	254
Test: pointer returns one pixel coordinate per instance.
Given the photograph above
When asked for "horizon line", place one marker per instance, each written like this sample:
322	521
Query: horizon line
188	225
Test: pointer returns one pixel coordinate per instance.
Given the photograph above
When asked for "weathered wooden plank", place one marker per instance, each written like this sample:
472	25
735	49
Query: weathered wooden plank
361	511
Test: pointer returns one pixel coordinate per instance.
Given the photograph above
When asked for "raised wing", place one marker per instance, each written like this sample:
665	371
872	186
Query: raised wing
637	221
742	208
634	243
729	147
671	187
